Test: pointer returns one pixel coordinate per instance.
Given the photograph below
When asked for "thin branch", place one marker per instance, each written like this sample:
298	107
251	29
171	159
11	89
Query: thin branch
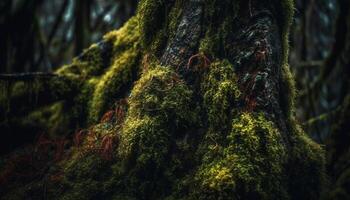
321	117
310	64
26	76
57	22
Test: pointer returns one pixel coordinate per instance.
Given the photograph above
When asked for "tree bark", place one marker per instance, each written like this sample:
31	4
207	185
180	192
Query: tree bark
201	107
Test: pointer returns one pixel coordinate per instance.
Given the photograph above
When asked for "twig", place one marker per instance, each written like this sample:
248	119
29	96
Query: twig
26	76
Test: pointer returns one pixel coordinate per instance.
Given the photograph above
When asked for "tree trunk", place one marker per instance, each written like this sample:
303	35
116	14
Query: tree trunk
199	105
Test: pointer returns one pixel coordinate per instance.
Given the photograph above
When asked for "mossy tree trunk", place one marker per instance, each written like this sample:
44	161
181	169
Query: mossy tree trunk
204	101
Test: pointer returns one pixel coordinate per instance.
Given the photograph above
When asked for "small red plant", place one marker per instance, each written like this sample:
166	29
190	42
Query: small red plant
107	147
91	138
250	103
59	144
43	143
107	117
262	51
120	113
120	110
249	97
78	138
175	78
56	177
145	62
261	55
202	58
18	167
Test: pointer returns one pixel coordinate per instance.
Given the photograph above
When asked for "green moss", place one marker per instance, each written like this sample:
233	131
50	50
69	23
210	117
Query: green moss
89	63
103	85
158	22
249	164
159	109
114	84
126	37
287	80
122	72
151	14
84	178
219	18
307	163
174	16
50	119
220	93
168	30
5	93
159	105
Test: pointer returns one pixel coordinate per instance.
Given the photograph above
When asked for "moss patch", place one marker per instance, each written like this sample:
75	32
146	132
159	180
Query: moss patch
307	162
159	105
151	14
220	93
249	164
